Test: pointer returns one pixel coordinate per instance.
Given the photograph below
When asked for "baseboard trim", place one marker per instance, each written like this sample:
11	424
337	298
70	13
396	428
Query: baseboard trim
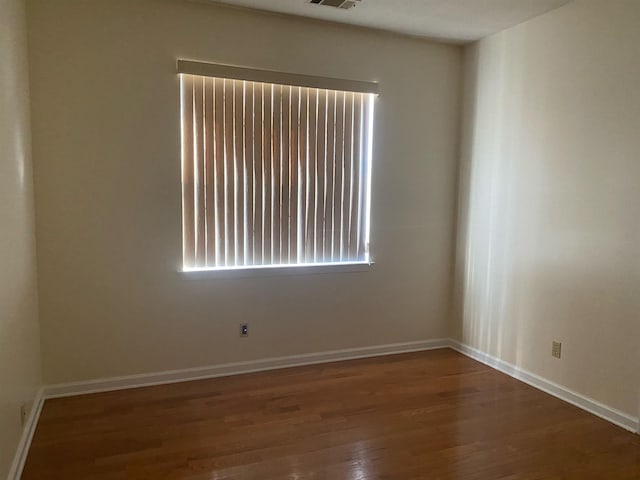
581	401
15	472
238	368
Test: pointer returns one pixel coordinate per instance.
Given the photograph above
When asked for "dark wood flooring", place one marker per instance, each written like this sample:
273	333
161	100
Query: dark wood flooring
429	415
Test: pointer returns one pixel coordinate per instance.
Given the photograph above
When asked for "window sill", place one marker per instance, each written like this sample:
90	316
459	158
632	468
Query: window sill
277	270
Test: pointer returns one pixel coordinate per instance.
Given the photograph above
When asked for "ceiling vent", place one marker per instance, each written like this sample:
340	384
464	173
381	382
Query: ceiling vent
344	4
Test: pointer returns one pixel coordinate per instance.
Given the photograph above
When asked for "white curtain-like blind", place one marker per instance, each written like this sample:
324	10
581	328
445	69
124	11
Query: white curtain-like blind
273	174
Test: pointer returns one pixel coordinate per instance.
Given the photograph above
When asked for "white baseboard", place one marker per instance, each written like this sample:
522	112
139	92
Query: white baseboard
581	401
176	376
15	472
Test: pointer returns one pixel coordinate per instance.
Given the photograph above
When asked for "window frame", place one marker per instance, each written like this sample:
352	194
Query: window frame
294	80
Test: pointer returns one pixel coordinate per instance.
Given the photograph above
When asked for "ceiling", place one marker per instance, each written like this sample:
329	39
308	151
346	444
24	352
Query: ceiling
457	21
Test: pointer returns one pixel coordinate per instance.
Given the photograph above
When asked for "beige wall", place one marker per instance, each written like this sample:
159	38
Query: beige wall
19	338
107	153
550	182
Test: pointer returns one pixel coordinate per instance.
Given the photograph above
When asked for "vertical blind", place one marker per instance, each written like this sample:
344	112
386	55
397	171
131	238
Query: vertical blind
273	174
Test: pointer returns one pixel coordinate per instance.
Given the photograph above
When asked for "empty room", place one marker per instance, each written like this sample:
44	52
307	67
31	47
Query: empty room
320	239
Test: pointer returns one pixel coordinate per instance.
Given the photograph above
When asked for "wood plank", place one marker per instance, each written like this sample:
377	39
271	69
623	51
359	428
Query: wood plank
427	415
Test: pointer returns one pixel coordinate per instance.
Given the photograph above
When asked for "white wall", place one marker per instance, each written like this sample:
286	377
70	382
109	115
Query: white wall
550	195
19	337
107	156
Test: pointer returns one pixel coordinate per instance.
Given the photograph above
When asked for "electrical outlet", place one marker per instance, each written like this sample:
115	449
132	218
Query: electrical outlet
244	330
23	413
556	349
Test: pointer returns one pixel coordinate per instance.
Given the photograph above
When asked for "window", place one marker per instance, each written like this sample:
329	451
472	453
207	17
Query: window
273	173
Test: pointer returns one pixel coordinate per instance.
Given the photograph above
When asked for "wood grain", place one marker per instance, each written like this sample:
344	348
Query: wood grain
429	415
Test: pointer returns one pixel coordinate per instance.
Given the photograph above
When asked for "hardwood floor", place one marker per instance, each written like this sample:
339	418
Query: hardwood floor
429	415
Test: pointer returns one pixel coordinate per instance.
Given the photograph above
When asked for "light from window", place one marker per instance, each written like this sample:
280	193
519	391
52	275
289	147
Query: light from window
274	175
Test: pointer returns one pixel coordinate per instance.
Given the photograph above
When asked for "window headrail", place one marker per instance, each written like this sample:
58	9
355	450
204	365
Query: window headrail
281	78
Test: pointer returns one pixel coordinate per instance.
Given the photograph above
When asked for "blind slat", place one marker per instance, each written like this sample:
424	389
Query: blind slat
238	172
219	185
276	161
188	197
198	169
248	172
258	177
330	175
303	166
209	173
354	229
273	174
294	162
283	187
229	169
321	177
266	173
338	179
347	180
312	129
365	173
